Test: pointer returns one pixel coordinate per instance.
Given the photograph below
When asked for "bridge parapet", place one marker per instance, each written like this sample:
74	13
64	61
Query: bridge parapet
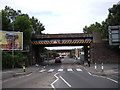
72	35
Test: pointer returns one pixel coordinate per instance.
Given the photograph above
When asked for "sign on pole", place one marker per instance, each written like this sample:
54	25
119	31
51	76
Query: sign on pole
114	35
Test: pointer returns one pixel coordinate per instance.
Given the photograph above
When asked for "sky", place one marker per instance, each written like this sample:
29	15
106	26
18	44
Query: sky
63	16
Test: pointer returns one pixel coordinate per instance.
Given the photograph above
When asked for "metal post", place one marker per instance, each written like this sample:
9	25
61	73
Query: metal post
95	67
13	44
102	67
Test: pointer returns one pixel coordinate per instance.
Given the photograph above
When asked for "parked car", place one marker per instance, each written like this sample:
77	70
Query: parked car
57	60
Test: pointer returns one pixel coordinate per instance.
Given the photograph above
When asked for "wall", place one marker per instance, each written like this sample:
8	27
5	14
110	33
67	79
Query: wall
100	53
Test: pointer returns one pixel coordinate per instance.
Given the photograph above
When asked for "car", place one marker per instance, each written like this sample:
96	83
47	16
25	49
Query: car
57	60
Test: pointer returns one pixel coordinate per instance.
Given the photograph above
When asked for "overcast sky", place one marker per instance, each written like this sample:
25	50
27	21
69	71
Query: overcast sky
63	16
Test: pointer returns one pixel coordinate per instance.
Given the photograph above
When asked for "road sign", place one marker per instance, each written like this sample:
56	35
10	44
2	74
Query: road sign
114	35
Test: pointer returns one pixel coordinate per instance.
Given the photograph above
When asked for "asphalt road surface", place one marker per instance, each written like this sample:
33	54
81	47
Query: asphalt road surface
68	74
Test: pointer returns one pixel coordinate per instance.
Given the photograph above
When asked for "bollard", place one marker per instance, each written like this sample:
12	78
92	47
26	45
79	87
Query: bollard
95	67
102	67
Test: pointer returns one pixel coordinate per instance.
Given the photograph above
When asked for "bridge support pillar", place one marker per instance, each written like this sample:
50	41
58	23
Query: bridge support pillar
85	54
36	54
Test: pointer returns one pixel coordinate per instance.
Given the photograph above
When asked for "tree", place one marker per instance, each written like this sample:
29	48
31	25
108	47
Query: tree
92	27
112	19
114	15
22	23
37	26
15	19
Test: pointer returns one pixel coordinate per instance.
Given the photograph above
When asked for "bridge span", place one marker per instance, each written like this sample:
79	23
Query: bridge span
72	39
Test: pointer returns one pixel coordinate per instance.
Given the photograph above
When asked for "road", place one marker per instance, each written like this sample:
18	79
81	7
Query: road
68	74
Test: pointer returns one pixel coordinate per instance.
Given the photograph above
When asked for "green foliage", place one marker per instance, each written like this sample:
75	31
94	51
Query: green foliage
114	15
92	27
21	22
8	59
15	19
112	19
37	26
54	53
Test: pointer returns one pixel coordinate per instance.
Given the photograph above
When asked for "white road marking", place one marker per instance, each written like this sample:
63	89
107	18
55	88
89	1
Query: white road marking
60	70
42	70
89	73
69	69
29	74
65	81
51	70
17	77
78	69
55	81
7	71
112	80
103	77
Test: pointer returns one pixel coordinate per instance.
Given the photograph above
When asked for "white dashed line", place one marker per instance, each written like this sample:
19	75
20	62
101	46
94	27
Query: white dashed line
78	69
51	70
42	70
60	70
69	69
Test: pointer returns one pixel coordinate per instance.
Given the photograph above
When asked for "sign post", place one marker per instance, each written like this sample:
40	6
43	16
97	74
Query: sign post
114	35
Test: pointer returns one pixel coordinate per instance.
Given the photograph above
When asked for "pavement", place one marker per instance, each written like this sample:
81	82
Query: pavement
106	70
6	74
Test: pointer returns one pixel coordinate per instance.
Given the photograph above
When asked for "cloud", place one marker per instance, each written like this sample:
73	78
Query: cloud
63	16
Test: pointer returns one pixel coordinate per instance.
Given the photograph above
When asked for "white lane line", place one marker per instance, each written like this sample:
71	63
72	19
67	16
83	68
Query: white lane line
55	75
89	73
51	70
65	81
78	69
42	70
60	70
70	69
112	80
103	77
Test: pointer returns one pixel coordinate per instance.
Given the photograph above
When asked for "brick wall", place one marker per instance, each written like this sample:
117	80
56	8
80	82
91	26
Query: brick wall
100	53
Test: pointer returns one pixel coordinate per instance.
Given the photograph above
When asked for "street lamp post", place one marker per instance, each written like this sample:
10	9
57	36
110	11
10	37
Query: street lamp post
13	19
13	42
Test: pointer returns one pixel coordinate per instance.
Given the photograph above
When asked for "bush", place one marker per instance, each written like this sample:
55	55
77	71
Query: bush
8	60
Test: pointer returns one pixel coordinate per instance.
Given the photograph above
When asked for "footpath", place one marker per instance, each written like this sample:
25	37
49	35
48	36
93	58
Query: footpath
106	70
6	74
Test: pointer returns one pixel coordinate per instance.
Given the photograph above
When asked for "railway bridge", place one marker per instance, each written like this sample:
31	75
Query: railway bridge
70	39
